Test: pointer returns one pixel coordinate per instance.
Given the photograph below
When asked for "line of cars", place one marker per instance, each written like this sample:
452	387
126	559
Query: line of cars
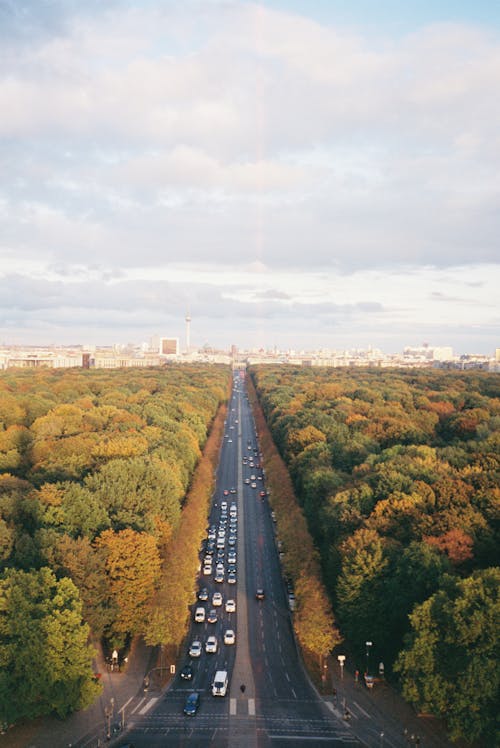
220	564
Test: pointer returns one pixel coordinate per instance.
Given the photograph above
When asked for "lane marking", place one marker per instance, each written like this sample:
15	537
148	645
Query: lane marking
148	706
251	707
232	706
126	704
361	709
138	705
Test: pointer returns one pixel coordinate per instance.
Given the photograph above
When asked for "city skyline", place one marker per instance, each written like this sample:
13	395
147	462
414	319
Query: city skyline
288	173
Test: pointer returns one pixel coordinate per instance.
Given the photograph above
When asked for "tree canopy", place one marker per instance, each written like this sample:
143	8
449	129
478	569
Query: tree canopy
398	474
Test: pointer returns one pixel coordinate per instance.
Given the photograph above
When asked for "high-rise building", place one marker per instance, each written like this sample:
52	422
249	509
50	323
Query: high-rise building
188	332
169	347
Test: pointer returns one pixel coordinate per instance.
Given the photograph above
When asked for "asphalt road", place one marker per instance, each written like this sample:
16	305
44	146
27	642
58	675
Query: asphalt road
270	701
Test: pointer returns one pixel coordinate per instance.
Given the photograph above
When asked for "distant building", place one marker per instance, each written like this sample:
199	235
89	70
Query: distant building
169	347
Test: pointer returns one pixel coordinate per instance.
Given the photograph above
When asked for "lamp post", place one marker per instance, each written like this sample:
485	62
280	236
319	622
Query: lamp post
368	645
341	659
108	712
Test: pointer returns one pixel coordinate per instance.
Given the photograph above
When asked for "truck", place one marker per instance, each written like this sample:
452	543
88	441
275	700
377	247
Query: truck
220	683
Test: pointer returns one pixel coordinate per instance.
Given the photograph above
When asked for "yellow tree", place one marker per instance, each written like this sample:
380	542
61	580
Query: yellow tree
133	569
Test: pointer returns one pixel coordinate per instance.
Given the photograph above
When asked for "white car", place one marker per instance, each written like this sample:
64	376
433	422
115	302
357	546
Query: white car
195	649
229	637
230	606
211	645
216	599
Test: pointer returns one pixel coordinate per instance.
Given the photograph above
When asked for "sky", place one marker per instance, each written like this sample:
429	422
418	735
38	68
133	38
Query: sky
294	173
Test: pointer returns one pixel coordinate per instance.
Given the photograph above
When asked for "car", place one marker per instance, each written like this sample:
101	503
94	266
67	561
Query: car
231	569
203	594
211	645
192	704
230	606
212	616
216	599
195	649
187	672
262	494
199	615
207	569
231	556
253	485
219	577
259	593
247	481
229	637
232	540
225	492
229	441
223	505
232	490
231	578
219	568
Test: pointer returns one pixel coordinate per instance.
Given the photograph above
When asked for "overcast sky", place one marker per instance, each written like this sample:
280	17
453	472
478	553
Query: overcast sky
298	173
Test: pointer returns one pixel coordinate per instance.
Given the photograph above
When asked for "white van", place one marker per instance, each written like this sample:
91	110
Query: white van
220	683
199	615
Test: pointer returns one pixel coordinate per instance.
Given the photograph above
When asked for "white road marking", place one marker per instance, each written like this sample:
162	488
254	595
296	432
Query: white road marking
361	709
125	704
138	705
251	707
148	706
232	706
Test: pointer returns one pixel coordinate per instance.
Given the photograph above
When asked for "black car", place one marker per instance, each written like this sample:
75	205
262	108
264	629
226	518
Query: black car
187	672
203	594
192	704
259	594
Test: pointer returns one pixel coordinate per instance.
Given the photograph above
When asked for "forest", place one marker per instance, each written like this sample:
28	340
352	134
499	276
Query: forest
397	473
96	471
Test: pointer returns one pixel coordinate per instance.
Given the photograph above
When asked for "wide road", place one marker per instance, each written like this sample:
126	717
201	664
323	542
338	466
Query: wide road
270	701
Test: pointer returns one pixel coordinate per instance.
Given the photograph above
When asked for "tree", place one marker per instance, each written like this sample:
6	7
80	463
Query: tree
449	666
133	569
313	620
45	662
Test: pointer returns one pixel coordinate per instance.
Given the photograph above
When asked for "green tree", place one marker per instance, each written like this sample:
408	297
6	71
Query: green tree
45	662
449	666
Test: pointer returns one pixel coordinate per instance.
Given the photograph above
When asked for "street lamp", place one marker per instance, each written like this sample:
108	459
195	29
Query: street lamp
108	713
368	645
341	659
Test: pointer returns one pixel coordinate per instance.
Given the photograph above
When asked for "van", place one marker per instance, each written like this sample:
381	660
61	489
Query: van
220	683
199	615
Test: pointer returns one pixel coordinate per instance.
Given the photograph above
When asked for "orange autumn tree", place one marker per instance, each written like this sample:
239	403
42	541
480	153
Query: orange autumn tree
133	569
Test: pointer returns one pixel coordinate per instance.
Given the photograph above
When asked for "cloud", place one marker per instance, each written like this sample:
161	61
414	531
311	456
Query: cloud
137	135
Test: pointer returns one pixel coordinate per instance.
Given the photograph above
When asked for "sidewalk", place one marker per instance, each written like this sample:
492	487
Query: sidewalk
86	727
385	707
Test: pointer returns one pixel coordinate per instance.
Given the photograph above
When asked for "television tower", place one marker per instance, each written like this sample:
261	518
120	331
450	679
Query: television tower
188	325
